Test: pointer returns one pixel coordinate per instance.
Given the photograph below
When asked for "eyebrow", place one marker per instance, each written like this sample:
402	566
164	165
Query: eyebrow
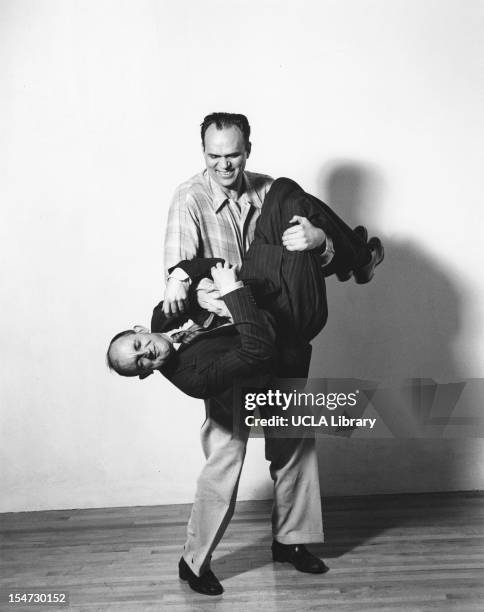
234	154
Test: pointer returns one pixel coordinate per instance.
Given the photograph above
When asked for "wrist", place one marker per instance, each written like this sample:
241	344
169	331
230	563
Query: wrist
179	275
229	287
321	239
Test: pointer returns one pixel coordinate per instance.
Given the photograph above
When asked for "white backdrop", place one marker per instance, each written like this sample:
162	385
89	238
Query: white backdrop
373	105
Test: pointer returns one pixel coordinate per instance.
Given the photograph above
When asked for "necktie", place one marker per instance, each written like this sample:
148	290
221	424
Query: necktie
185	336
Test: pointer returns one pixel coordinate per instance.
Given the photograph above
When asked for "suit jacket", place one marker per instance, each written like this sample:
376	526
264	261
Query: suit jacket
217	358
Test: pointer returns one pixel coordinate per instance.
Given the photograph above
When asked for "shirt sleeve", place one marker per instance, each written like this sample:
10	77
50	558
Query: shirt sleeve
179	274
328	253
236	285
196	268
182	229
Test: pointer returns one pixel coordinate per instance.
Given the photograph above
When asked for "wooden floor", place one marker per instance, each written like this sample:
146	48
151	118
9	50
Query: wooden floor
406	552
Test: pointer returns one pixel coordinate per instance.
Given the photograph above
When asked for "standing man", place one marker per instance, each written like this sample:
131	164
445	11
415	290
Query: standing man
213	214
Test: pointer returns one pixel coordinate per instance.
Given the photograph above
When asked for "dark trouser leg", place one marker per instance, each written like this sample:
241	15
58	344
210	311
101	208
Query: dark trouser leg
289	284
285	199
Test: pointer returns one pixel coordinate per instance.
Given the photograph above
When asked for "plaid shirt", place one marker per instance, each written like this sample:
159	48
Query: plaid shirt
204	222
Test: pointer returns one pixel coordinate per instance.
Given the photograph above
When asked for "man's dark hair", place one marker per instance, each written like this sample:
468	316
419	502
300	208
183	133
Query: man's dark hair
225	120
109	361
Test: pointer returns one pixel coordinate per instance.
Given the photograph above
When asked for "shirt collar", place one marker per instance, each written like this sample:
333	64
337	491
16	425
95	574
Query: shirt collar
248	195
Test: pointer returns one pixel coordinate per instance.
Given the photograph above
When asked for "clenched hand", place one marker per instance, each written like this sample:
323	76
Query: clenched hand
175	301
304	236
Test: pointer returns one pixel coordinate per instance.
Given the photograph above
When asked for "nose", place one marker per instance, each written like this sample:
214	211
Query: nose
226	163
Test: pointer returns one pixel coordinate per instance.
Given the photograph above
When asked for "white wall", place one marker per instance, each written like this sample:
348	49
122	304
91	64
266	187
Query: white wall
374	105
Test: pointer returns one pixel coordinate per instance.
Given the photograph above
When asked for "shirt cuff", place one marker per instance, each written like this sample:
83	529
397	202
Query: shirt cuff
328	253
230	288
179	274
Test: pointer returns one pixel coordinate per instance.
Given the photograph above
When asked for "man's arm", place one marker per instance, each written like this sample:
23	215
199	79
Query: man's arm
192	271
181	243
182	229
197	268
198	273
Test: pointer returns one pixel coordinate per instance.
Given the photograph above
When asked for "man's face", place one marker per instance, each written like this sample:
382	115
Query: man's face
225	155
140	353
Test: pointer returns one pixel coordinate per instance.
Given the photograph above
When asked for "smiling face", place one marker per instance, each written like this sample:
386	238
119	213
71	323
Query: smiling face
225	155
139	353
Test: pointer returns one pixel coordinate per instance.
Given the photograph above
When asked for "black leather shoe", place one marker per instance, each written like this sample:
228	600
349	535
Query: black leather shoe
362	233
365	273
206	584
299	556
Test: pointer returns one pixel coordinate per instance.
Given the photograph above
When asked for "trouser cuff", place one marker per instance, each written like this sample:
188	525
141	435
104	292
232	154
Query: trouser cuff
300	537
195	565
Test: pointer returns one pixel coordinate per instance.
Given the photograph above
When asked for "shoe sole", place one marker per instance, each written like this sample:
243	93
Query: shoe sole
186	581
284	560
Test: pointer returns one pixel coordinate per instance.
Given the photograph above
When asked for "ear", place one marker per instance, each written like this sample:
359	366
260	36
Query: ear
140	329
249	148
145	375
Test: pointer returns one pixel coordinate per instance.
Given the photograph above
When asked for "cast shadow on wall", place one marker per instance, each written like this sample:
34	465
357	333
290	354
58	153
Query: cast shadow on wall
403	324
405	321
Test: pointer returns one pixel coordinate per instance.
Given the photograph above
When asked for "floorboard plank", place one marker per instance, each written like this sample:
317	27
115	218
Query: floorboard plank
420	552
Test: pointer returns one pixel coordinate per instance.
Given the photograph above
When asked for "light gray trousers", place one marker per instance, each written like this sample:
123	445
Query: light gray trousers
296	515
